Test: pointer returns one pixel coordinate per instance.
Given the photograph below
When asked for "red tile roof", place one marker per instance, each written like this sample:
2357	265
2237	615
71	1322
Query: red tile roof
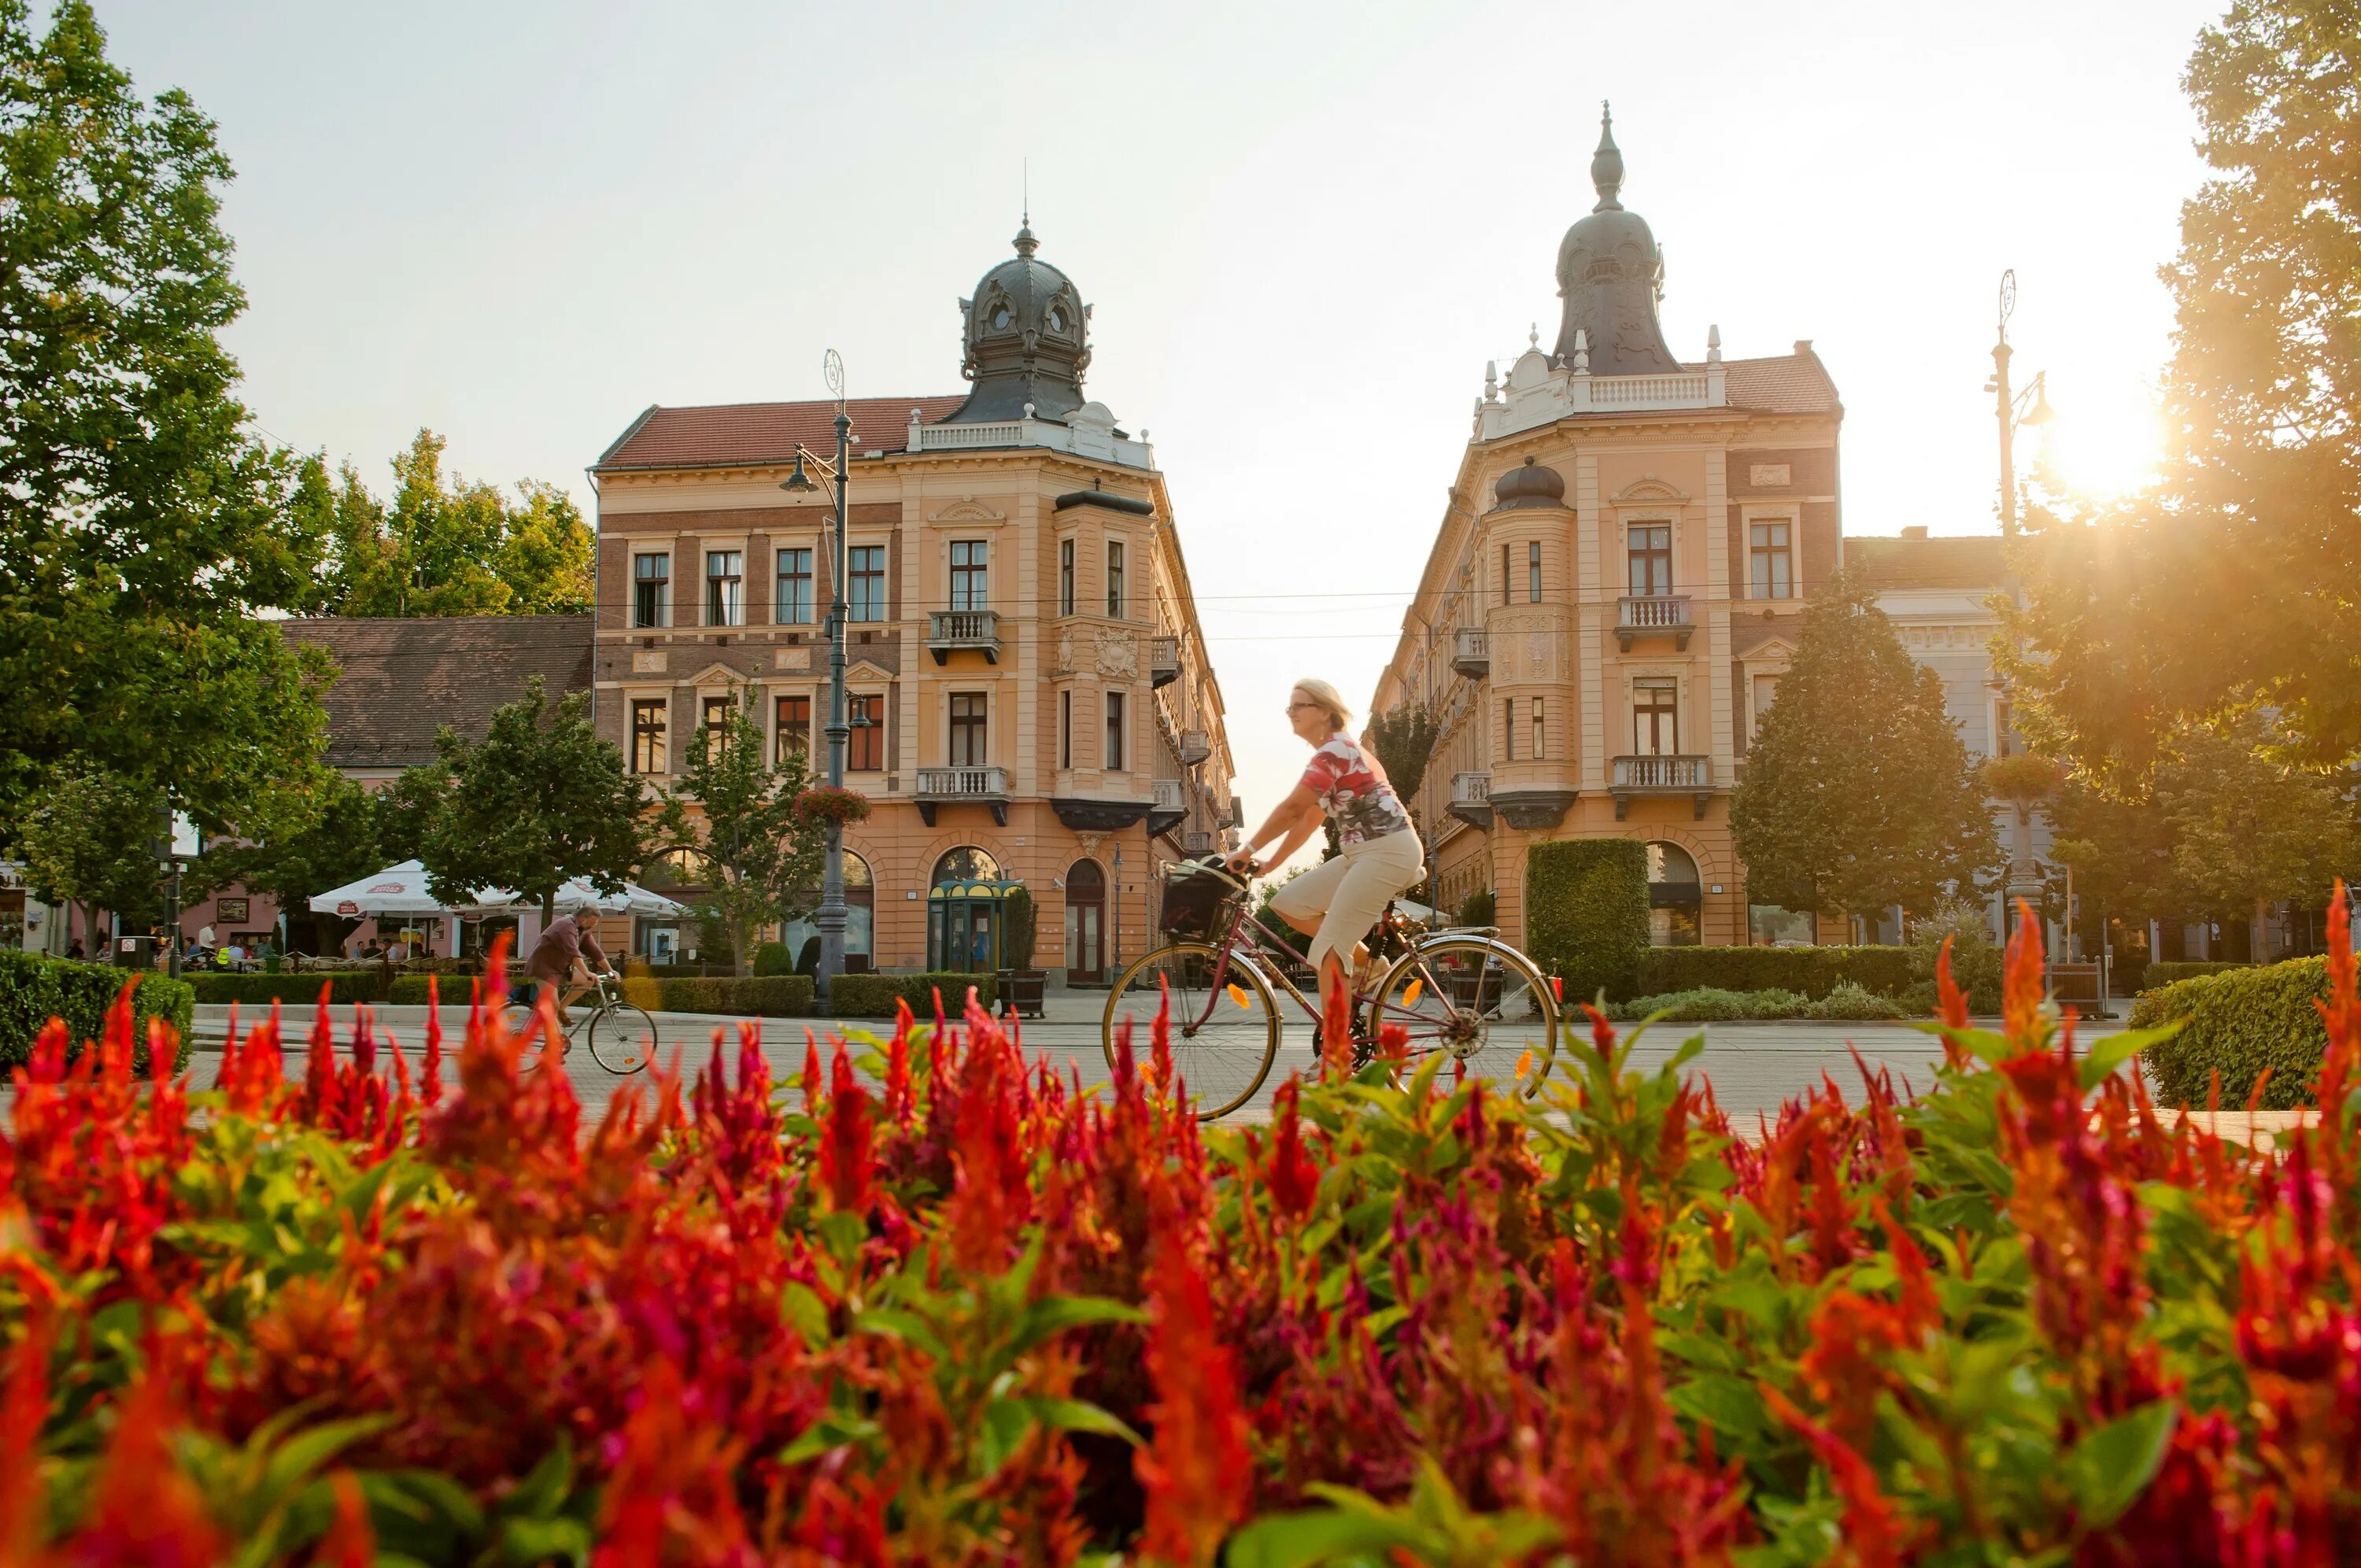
1794	383
1953	561
403	679
726	435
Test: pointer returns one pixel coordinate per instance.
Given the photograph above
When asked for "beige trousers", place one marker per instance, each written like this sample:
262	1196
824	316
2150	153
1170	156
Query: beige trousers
1338	901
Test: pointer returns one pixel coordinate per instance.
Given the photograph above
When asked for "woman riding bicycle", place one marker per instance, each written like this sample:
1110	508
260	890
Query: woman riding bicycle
1337	901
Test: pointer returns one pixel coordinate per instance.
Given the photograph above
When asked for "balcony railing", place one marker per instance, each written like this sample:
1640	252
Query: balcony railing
962	787
1163	660
1167	796
1654	614
1197	842
949	630
1471	654
1471	798
1194	747
1692	776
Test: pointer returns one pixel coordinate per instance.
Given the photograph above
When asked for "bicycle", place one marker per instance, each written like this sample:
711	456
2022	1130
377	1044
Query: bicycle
621	1036
1463	993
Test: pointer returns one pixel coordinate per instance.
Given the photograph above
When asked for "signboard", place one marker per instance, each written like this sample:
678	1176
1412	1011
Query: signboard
348	908
186	843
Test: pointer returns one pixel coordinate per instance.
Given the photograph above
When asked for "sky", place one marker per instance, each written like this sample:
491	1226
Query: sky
1305	228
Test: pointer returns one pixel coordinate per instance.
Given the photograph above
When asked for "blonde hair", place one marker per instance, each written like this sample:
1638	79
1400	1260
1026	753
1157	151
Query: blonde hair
1322	693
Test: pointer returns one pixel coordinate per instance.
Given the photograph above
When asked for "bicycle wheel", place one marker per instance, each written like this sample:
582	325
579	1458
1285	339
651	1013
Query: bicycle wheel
1224	1022
622	1038
1480	1002
523	1021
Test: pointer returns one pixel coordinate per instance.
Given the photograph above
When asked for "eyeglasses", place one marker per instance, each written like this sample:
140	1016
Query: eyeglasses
1300	707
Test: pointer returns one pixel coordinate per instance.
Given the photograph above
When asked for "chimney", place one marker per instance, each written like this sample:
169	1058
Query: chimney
1916	530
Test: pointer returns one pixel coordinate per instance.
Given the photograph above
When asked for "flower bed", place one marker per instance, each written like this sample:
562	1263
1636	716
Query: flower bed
931	1305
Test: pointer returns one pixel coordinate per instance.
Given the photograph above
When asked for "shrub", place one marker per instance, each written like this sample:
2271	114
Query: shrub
2237	1023
762	996
772	958
1481	908
2170	971
1849	1001
1587	914
1975	960
1813	971
33	989
344	986
873	995
1709	1005
1019	929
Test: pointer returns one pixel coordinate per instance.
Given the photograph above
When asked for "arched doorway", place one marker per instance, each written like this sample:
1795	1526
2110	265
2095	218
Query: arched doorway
963	912
1085	924
802	937
1676	898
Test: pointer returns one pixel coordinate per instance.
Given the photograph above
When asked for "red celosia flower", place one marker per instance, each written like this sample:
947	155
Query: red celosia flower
1872	1534
1335	1021
1196	1471
350	1541
1294	1179
1602	1033
145	1513
846	1155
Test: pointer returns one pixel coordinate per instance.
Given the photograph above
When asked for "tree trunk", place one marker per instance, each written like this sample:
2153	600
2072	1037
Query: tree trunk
742	962
2262	932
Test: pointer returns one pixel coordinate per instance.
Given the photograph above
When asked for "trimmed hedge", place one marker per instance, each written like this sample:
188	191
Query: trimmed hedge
33	989
2173	971
873	995
1709	1005
1811	972
2238	1023
1587	914
751	996
343	985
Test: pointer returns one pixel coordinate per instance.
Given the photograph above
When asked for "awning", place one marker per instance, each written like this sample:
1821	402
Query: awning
397	890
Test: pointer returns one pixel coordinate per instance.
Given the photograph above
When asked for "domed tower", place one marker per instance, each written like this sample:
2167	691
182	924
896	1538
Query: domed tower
1610	273
1028	341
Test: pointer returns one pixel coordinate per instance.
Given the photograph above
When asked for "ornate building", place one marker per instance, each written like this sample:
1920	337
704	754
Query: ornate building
1029	689
1612	592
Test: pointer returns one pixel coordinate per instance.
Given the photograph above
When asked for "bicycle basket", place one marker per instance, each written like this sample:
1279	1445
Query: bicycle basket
1199	897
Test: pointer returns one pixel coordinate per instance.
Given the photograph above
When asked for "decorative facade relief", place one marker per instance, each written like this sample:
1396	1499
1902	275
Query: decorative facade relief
1118	654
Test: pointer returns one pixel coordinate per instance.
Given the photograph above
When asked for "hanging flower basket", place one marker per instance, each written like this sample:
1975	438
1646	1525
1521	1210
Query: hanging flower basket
823	804
2022	779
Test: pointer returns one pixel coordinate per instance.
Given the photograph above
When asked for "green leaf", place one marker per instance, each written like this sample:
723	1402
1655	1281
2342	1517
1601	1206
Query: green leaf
544	1491
2109	1468
2109	1052
1315	1536
800	1305
894	1324
1055	1314
1730	1404
831	1432
296	1461
529	1542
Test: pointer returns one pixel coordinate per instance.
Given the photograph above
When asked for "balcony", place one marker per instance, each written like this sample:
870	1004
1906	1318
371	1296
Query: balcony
1237	813
962	787
1197	842
951	631
1471	654
1194	748
1471	798
1163	660
1655	615
1171	806
1692	776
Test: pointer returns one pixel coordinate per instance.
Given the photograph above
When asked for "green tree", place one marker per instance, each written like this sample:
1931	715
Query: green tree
141	525
1858	794
759	864
344	840
91	841
2248	830
1404	742
533	805
448	546
2235	580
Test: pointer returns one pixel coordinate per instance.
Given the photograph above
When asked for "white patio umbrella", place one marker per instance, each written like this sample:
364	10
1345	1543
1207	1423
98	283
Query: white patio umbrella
397	890
582	893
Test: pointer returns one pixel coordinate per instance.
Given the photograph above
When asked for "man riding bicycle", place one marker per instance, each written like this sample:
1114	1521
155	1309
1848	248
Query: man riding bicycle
557	962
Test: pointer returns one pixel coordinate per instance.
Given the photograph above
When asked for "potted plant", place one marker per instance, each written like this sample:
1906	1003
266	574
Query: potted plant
1020	983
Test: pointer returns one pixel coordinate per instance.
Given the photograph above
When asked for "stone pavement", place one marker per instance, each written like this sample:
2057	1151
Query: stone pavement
1753	1067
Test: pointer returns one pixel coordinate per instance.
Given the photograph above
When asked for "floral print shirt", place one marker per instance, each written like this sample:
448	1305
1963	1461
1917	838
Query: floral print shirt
1353	791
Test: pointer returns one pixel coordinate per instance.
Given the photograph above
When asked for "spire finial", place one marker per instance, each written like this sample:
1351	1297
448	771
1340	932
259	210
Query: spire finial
1607	163
1026	243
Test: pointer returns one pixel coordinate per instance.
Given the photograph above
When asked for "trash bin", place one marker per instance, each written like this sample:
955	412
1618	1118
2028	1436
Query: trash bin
134	953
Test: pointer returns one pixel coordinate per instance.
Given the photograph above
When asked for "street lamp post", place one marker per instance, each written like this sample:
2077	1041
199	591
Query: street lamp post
2011	409
832	912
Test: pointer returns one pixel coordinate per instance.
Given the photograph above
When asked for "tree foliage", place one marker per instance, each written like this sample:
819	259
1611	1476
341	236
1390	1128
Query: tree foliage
89	839
1858	794
540	800
141	525
759	861
445	545
2236	579
1404	742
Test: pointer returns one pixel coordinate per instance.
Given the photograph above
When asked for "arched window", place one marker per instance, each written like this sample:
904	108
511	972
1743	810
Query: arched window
1676	898
966	864
860	921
